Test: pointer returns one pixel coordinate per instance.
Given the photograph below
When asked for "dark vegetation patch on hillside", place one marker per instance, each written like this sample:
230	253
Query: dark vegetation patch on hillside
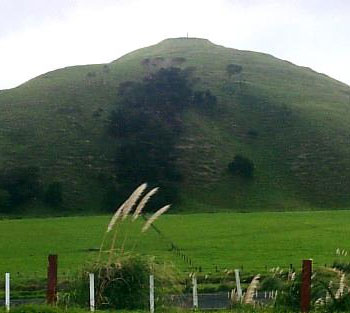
147	125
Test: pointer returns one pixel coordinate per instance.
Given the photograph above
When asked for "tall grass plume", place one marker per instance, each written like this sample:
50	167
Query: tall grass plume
154	217
248	299
143	202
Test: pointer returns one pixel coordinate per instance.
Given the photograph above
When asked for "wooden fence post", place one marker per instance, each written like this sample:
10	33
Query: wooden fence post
306	286
151	293
92	291
195	292
7	291
51	295
238	284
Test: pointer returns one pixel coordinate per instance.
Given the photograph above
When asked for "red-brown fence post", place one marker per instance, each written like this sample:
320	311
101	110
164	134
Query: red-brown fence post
51	295
306	286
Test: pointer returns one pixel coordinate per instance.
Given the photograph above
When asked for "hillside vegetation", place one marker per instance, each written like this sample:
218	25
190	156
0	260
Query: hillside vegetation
292	123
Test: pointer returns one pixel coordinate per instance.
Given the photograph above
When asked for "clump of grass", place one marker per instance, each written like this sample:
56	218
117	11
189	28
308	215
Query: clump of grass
326	296
121	280
124	283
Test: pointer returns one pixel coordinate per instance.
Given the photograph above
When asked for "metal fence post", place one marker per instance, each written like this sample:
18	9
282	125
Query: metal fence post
306	286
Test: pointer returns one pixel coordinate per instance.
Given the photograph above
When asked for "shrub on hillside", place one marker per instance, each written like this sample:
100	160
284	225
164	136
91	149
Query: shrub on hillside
148	122
54	194
204	100
22	184
111	196
232	69
253	133
241	166
5	199
178	60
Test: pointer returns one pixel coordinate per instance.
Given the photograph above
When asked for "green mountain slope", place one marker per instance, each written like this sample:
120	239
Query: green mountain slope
291	121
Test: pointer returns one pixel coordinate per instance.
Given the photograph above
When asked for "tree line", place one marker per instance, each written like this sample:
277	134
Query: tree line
147	123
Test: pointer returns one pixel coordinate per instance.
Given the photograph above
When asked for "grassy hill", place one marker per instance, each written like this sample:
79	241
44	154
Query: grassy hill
292	122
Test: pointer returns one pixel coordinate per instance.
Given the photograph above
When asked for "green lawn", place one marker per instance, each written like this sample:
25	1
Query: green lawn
255	241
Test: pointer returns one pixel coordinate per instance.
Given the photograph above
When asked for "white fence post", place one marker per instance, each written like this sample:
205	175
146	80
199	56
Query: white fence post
7	291
151	293
92	291
195	293
238	283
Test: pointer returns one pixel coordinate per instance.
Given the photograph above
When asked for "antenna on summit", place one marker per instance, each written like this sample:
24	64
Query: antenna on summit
187	35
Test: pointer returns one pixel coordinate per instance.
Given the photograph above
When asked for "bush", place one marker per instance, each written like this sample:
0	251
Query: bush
123	283
241	166
122	278
232	69
289	298
344	267
5	200
271	283
339	305
158	103
54	194
119	285
178	60
253	133
22	184
204	100
110	197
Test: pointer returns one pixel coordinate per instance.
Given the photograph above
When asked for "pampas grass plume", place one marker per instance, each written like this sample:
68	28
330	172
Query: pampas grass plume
125	208
115	218
248	299
133	199
155	216
143	203
341	288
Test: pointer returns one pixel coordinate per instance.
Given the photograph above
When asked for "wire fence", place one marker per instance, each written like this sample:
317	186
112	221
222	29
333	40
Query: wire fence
38	292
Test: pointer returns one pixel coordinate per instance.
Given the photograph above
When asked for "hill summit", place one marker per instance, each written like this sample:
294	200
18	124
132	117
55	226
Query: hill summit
290	123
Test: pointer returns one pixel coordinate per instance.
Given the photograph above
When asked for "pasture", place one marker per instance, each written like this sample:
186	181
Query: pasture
215	242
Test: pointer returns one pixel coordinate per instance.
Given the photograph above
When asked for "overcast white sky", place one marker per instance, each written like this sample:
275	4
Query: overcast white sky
37	36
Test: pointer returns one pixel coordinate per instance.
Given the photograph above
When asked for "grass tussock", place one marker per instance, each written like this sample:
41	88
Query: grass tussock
122	277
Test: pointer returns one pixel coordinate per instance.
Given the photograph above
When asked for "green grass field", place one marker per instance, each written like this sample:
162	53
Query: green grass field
255	241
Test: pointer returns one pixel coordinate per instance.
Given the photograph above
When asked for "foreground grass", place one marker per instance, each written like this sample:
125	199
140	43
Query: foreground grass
253	242
49	309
